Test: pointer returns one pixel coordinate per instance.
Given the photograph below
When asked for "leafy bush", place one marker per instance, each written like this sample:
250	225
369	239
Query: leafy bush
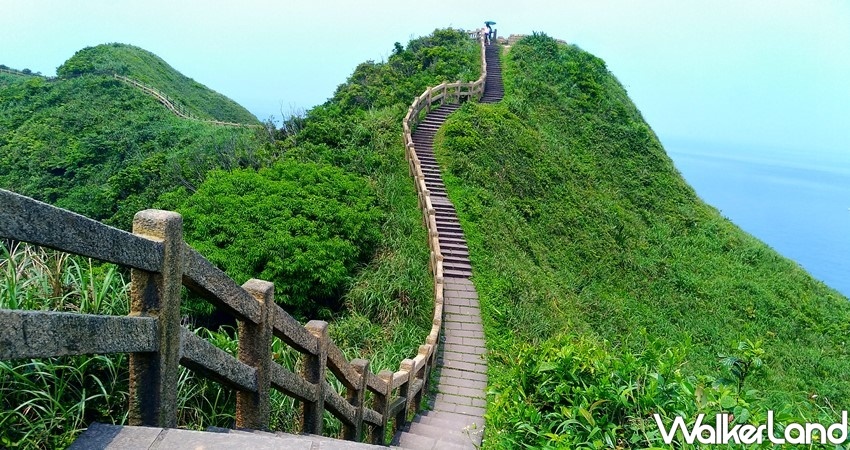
303	226
577	392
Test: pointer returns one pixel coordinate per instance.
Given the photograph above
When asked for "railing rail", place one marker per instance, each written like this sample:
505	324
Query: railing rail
161	263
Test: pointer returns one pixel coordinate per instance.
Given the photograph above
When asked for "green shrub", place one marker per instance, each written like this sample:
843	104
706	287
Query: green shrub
304	226
577	392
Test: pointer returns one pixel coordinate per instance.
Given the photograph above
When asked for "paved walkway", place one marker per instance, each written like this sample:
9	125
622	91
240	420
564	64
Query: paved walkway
456	420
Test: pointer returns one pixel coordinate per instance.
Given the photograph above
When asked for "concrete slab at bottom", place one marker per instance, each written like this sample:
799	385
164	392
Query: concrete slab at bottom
100	436
409	441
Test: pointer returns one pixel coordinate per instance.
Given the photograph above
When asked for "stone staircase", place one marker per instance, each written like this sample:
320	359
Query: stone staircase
456	416
456	420
494	89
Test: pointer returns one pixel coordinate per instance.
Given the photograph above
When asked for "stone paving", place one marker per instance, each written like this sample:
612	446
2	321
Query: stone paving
456	418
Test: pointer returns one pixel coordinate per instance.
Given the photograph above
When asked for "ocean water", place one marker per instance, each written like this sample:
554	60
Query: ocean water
796	201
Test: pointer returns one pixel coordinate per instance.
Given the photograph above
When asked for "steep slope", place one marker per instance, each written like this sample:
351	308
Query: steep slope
578	223
142	65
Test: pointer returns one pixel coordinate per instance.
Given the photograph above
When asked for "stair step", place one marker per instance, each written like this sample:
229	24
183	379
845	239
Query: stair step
416	442
453	245
123	437
442	436
456	273
465	269
454	253
455	259
447	245
469	424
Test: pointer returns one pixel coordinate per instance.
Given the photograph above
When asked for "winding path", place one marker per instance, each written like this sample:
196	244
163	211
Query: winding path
456	420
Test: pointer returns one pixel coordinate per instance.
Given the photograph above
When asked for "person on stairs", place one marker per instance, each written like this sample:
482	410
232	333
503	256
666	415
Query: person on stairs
484	35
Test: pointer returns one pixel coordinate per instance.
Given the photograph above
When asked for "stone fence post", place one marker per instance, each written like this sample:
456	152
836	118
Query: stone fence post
153	376
313	372
355	398
382	405
255	350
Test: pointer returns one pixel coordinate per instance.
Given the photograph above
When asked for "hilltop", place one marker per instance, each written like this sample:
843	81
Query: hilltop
93	144
609	289
142	65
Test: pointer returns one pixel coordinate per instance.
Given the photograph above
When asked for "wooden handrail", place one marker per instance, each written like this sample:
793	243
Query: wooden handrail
161	262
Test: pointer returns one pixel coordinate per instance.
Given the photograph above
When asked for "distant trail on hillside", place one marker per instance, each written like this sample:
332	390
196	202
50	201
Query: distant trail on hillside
162	98
171	105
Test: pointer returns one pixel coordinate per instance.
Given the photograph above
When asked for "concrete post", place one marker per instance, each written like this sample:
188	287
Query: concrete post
313	372
404	391
355	398
255	350
424	375
382	405
153	376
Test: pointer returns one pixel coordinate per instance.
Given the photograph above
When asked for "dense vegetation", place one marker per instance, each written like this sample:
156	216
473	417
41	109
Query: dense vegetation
324	207
303	226
608	288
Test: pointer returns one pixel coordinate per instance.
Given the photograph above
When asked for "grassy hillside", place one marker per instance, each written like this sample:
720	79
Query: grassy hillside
96	146
9	78
609	289
144	66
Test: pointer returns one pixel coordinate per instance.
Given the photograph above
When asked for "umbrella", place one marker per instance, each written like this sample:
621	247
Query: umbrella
489	22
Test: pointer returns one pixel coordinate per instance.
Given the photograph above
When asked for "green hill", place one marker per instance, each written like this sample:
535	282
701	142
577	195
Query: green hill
142	65
97	146
9	77
609	289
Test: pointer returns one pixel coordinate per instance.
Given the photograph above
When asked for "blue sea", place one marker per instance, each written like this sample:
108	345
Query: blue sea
796	201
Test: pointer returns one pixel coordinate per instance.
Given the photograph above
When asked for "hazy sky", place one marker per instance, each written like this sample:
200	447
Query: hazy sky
762	72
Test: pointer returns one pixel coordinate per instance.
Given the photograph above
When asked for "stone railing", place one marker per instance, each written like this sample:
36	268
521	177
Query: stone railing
161	262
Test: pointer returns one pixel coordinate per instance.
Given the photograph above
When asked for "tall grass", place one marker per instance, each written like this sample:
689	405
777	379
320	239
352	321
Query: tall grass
35	278
46	403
